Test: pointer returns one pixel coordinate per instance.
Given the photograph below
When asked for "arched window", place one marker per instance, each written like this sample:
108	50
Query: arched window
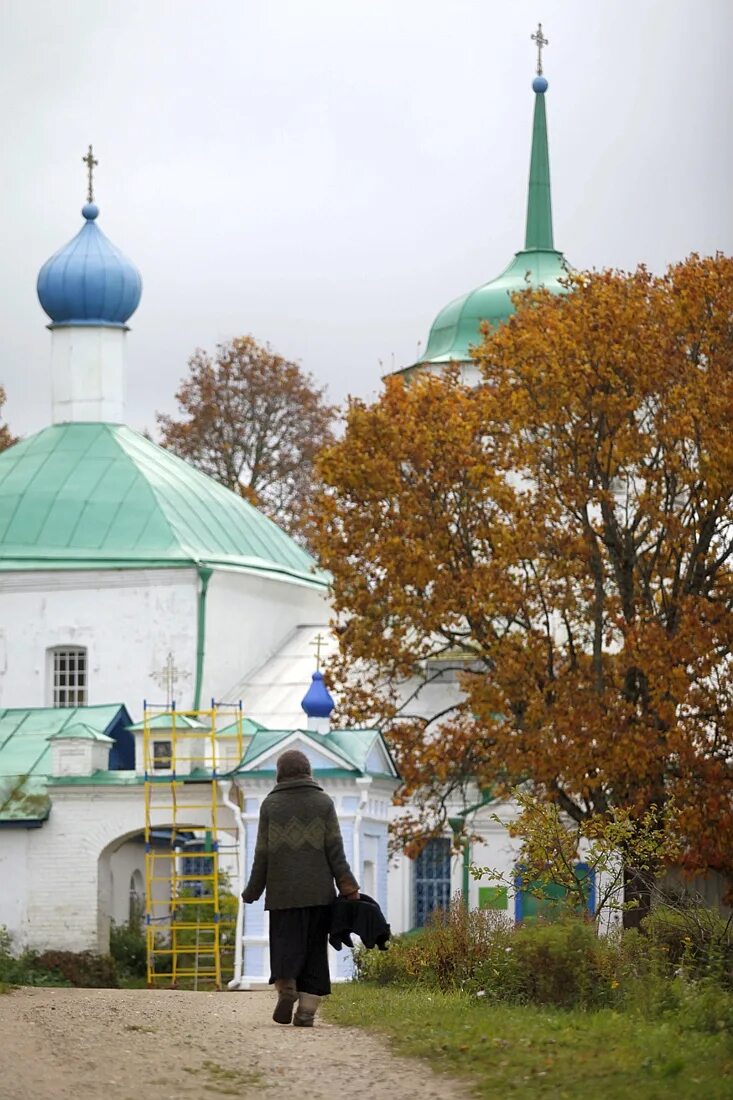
68	676
137	896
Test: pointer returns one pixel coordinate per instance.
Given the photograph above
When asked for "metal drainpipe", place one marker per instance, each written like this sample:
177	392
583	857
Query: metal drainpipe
205	574
466	870
364	782
239	929
458	825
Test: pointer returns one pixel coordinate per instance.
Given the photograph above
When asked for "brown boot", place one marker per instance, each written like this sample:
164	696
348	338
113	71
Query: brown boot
307	1007
287	995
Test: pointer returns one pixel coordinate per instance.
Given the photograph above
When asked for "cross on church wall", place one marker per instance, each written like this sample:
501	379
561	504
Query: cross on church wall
168	678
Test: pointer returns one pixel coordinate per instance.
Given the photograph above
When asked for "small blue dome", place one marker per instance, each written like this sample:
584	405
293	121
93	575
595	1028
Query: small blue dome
89	281
539	84
317	701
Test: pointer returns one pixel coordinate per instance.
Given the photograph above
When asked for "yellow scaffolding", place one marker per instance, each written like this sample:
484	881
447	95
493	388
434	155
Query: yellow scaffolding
186	755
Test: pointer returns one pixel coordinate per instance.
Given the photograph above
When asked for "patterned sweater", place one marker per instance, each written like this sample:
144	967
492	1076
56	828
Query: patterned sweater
299	850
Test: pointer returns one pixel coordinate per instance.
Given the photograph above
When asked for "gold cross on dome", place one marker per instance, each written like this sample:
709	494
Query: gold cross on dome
541	41
91	164
317	644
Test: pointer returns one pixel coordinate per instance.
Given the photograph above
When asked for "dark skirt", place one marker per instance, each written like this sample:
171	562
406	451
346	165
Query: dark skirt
299	948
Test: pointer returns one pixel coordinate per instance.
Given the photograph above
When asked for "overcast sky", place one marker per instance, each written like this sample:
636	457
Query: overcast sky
327	174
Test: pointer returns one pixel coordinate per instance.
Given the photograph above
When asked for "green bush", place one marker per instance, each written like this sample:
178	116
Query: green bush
563	963
81	968
446	954
128	948
695	940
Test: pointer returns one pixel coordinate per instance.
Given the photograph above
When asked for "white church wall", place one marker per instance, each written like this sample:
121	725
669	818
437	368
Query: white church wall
495	849
69	889
127	867
14	867
248	618
128	620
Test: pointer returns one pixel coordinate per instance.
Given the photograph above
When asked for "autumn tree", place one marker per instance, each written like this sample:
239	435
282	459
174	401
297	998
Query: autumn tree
7	439
562	534
254	422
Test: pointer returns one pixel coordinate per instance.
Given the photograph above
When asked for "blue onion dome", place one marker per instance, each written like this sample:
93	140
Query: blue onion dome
317	701
89	281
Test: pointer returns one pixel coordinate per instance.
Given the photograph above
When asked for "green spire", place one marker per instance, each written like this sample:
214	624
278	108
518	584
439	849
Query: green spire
539	203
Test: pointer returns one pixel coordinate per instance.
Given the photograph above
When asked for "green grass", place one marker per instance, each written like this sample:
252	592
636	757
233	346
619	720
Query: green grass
529	1051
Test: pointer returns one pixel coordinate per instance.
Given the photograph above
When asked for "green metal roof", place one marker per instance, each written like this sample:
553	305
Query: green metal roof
25	753
164	722
456	329
96	496
352	746
80	731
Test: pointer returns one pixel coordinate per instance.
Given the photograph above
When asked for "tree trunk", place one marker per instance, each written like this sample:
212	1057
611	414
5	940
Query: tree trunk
637	888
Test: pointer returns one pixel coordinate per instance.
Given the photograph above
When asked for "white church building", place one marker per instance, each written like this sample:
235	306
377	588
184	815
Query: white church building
125	576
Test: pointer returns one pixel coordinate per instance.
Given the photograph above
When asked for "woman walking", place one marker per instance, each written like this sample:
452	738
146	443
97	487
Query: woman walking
298	856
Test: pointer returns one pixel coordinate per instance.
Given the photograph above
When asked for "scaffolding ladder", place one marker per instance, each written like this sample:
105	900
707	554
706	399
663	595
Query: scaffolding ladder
185	760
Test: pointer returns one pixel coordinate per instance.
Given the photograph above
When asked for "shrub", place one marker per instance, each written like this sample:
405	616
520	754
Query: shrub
446	954
564	964
128	948
81	968
696	941
23	969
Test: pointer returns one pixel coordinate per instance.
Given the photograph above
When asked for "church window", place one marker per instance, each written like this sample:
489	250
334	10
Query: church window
432	879
69	676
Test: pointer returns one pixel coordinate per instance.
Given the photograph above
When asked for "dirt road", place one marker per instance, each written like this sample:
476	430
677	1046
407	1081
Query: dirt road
109	1044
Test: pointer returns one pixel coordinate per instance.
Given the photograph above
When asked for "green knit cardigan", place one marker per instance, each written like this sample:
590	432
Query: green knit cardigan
299	851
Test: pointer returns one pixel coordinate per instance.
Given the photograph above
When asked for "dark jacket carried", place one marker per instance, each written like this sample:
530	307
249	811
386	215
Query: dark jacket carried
364	917
299	850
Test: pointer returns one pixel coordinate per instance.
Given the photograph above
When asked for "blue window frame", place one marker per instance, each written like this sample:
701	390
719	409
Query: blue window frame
199	863
432	879
527	905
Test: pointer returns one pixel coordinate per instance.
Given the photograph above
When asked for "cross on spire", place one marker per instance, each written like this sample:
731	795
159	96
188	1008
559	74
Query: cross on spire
317	644
541	41
91	164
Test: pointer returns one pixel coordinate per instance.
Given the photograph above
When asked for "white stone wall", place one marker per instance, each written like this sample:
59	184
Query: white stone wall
248	619
14	852
128	620
128	860
70	896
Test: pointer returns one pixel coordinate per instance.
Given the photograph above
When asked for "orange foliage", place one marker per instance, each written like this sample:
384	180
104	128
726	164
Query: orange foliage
7	439
254	422
563	531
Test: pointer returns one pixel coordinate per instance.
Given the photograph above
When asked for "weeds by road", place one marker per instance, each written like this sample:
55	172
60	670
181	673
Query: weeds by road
530	1051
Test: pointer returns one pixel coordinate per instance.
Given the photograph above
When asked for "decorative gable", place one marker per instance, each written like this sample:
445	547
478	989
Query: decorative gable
321	758
378	761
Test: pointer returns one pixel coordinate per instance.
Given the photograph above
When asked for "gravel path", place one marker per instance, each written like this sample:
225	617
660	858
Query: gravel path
111	1044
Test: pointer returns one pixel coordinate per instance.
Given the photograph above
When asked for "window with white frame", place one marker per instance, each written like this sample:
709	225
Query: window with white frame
68	676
